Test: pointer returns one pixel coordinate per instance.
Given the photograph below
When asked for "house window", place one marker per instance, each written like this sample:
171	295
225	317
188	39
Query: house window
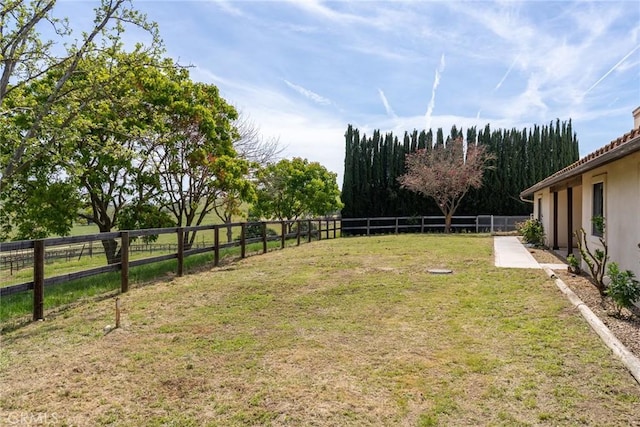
539	208
597	207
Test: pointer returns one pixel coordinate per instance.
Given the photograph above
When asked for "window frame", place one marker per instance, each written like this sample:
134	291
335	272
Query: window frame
539	208
597	209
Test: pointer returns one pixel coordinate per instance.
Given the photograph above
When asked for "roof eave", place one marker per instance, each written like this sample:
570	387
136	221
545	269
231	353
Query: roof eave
613	155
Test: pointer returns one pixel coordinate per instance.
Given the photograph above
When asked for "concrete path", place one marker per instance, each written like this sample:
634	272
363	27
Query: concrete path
510	253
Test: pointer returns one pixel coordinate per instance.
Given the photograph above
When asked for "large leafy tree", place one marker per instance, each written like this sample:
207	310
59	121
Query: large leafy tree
234	188
90	141
29	61
446	173
293	189
141	109
114	133
197	165
156	143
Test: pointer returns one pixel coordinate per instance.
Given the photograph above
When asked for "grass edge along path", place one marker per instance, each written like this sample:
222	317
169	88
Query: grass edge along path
351	331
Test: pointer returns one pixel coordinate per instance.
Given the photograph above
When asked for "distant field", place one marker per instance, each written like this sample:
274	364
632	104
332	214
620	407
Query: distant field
352	331
210	219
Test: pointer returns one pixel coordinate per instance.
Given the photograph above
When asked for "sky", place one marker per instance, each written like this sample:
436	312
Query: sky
301	71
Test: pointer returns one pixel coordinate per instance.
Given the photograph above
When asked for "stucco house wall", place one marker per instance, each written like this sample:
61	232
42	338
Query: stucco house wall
621	209
617	167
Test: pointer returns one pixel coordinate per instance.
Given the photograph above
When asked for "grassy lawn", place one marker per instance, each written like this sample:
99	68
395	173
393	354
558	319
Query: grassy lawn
340	332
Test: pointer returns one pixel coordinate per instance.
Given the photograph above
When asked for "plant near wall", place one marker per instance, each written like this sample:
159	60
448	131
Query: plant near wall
573	264
532	232
595	260
624	289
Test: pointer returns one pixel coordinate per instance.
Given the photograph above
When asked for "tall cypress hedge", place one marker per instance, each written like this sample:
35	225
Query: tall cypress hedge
522	158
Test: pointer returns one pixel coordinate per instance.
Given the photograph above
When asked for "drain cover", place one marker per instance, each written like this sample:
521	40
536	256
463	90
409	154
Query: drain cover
440	271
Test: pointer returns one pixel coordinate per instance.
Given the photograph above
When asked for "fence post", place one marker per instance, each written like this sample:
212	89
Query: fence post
368	225
327	231
309	231
284	234
180	251
216	245
491	224
38	280
124	262
264	237
319	229
477	224
334	228
298	233
243	240
396	225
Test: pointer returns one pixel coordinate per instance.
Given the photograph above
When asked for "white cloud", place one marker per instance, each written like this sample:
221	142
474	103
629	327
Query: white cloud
510	64
227	7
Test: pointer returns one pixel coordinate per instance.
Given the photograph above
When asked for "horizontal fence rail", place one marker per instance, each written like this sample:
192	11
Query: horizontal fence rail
429	224
37	252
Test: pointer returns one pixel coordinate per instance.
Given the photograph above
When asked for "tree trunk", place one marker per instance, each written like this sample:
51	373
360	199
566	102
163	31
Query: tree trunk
229	232
189	239
447	222
110	247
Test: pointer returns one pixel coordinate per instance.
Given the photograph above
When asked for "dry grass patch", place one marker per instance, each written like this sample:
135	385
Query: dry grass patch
341	332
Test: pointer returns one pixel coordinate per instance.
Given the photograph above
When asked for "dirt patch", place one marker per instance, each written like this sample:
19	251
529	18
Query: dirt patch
626	326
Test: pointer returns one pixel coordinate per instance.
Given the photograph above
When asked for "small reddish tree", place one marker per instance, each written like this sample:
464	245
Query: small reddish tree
446	172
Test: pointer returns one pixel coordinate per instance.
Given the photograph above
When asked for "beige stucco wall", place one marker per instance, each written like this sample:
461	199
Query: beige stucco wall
621	209
547	214
547	206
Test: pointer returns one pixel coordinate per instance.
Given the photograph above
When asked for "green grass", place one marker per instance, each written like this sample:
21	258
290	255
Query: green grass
77	263
351	331
63	266
17	308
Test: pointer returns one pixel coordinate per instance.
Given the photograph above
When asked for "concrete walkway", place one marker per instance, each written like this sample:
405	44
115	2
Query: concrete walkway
510	253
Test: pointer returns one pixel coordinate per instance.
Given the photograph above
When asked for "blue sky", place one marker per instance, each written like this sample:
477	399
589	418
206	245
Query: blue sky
304	70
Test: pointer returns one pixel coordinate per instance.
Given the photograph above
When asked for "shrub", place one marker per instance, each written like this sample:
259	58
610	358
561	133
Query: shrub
254	230
574	264
304	226
532	232
624	289
595	260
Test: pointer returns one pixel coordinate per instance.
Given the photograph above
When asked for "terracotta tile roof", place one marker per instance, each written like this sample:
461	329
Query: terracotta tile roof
600	151
583	162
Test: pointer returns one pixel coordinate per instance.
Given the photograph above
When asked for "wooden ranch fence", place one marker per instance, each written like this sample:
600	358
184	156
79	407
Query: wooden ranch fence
18	260
429	224
307	229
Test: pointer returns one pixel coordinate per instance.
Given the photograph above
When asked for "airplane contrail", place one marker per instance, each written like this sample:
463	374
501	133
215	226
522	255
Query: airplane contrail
436	83
611	70
507	73
387	107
